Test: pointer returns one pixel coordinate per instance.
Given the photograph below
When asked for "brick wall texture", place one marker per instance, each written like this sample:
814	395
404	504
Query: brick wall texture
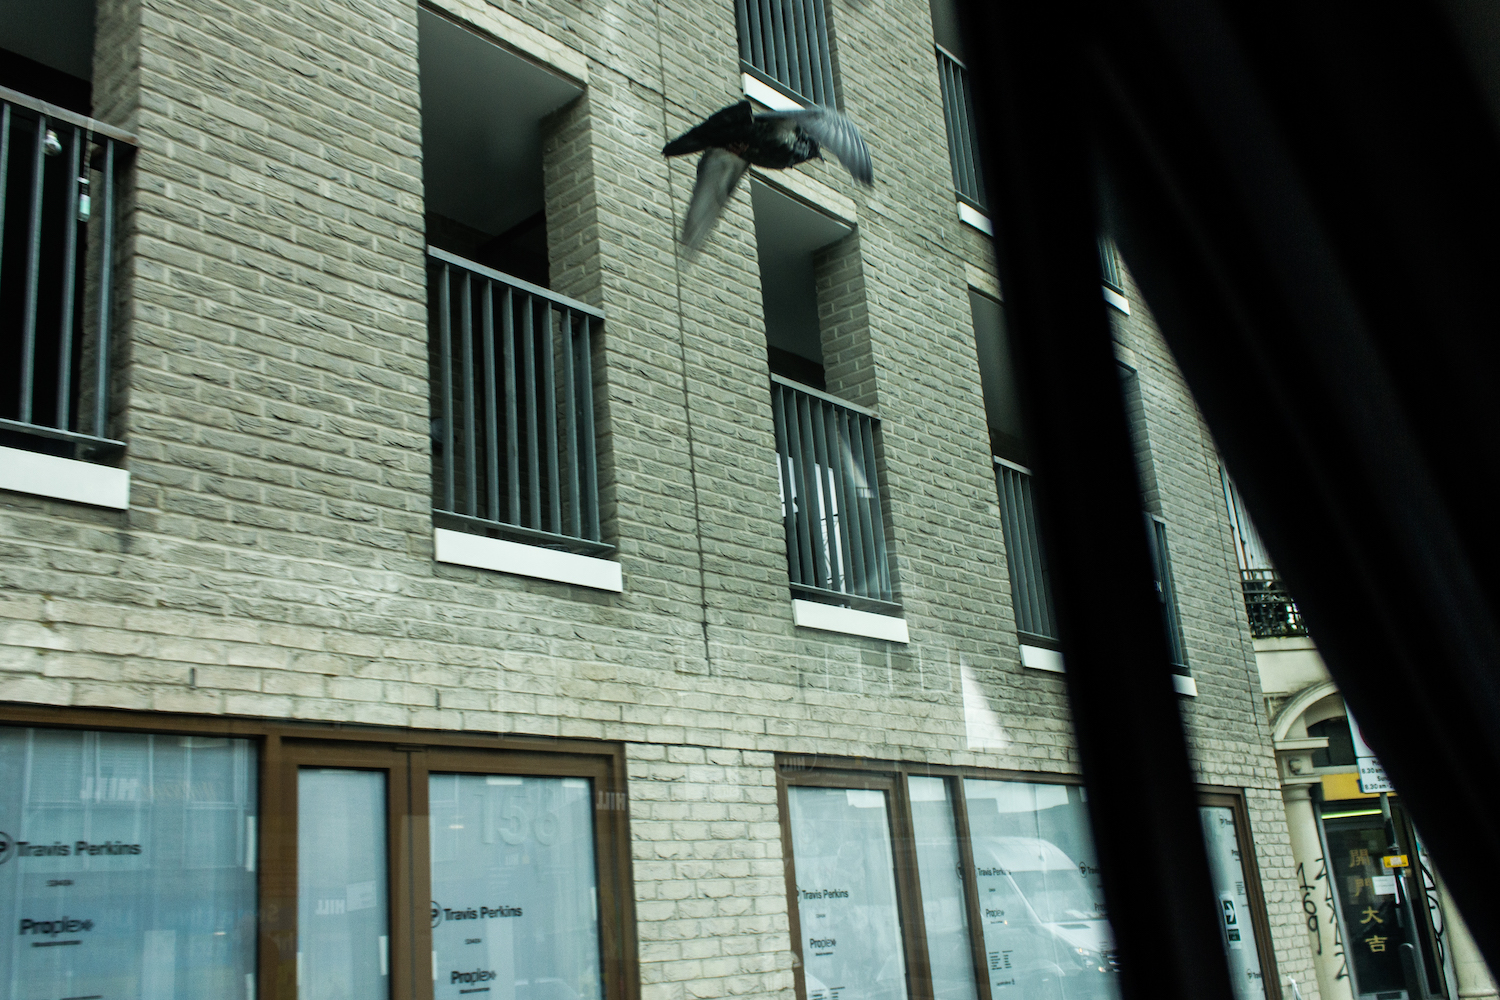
277	557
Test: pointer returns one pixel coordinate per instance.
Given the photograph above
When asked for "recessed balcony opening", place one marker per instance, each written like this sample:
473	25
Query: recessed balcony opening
826	446
47	51
787	235
59	172
482	111
1031	594
513	438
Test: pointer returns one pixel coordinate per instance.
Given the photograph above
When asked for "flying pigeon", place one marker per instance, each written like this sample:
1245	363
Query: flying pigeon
736	137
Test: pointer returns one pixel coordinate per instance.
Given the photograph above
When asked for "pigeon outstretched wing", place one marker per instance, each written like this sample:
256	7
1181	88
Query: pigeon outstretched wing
719	173
836	133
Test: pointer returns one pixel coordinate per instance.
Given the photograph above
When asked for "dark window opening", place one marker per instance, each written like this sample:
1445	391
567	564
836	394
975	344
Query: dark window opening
1340	749
482	111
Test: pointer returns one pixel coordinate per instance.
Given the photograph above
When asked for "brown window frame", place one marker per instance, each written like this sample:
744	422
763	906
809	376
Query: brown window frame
407	756
1260	921
891	777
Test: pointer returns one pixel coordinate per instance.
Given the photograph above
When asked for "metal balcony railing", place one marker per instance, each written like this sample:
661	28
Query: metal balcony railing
1273	614
786	41
513	405
1030	592
963	140
59	177
835	530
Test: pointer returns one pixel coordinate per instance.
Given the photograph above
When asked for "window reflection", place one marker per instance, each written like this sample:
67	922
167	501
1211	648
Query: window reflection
127	864
343	937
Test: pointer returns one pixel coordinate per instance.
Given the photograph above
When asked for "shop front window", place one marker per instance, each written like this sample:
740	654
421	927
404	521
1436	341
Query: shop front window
846	894
1046	932
298	862
514	887
1239	909
960	884
127	864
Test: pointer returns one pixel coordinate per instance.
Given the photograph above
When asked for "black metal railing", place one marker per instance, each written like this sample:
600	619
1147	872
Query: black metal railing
786	41
1166	592
513	406
963	140
1273	614
59	177
1031	595
835	530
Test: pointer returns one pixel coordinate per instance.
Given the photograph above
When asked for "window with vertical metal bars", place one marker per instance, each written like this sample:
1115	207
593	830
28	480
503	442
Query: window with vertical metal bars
1031	595
963	140
1166	592
786	42
1109	265
513	407
835	530
59	175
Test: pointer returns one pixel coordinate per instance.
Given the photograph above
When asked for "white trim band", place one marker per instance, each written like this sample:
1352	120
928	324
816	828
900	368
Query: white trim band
64	479
764	93
459	548
1115	299
831	618
1041	658
976	218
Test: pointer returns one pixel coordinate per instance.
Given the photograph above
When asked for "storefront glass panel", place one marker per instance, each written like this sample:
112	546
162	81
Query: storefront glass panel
846	894
1046	933
1226	866
514	886
343	936
127	865
944	912
1368	900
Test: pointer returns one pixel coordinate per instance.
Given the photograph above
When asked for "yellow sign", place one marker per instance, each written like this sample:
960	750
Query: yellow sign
1394	861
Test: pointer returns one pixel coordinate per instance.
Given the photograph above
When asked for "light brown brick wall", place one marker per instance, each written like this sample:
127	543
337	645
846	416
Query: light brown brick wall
277	556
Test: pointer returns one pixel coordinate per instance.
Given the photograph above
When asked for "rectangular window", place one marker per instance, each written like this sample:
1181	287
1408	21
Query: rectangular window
963	137
293	863
514	885
1242	919
1110	271
1031	594
127	864
835	531
510	358
785	42
968	885
1166	592
846	892
513	398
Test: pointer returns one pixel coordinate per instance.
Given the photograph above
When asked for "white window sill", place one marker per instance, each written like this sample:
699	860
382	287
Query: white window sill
767	95
976	218
830	618
1117	300
458	548
64	479
1041	658
1050	660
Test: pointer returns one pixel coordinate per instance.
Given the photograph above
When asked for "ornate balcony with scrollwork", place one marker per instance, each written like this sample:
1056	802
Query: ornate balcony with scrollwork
1273	613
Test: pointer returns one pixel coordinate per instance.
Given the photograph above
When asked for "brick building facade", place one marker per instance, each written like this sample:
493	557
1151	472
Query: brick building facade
273	574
